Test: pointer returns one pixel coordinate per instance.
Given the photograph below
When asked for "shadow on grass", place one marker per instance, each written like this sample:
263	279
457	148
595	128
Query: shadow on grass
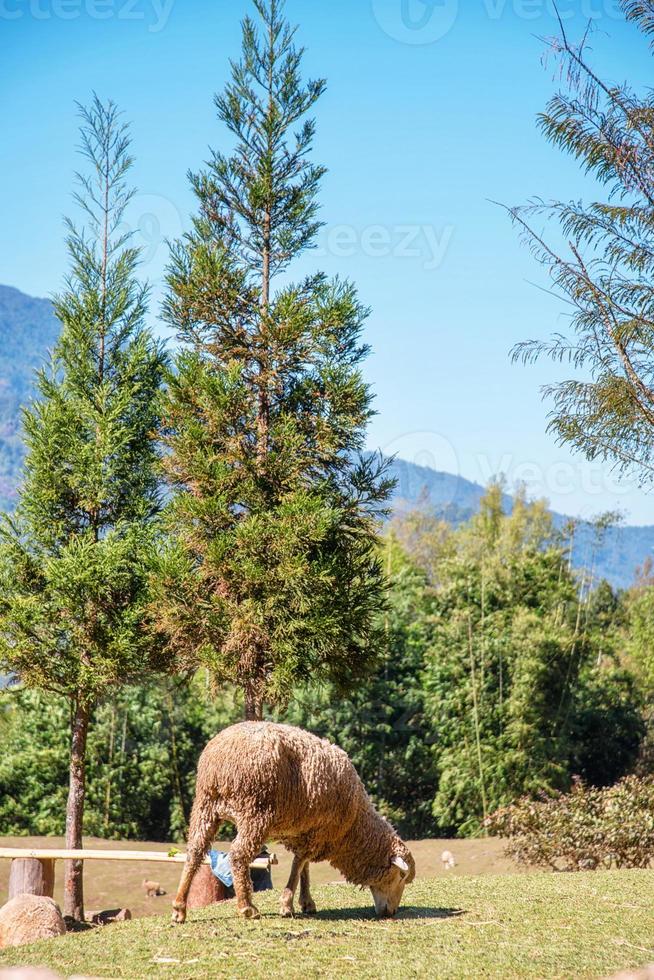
404	914
72	925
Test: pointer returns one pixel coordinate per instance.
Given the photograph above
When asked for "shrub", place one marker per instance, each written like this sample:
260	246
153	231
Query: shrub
584	829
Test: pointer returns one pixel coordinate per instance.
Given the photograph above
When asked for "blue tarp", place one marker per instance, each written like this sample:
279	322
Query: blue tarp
222	867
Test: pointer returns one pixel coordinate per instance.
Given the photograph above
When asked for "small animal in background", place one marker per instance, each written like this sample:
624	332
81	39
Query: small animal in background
152	889
448	860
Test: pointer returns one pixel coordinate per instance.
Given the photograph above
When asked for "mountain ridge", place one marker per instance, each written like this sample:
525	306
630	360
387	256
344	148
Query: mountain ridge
616	557
29	328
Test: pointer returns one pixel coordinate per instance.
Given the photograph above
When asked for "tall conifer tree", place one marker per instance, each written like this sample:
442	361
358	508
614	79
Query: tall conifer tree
73	559
272	577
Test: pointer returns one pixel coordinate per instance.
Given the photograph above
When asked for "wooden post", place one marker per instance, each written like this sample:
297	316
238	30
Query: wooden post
206	889
31	876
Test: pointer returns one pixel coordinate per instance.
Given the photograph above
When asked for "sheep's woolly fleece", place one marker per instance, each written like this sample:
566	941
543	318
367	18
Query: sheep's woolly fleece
282	783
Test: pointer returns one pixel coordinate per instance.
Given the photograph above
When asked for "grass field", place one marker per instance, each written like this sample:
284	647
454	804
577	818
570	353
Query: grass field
112	884
537	925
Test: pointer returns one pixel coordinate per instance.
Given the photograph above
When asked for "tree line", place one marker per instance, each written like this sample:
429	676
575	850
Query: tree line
214	510
497	677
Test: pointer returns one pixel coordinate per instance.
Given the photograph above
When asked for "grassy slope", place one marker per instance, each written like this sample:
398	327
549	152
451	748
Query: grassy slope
540	925
114	884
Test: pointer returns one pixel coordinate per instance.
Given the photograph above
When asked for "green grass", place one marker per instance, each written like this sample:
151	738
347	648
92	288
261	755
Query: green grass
117	884
538	925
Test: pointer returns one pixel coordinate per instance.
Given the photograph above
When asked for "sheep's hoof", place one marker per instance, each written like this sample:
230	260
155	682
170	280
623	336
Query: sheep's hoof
179	917
249	912
309	908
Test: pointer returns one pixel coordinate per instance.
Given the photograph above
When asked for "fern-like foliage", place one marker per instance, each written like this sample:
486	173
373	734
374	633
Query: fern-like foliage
606	272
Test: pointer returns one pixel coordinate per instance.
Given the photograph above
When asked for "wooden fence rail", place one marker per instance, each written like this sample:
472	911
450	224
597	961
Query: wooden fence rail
33	869
46	854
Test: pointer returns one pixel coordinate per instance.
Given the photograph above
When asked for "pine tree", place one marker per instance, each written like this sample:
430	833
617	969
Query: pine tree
607	274
73	560
272	577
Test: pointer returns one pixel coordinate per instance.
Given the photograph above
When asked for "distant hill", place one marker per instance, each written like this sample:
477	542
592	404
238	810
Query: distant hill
457	499
28	329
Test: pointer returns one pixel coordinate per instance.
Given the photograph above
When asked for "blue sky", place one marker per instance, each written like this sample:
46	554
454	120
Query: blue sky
430	115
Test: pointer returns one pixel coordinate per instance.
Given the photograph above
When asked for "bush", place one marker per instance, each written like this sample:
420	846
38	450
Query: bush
585	829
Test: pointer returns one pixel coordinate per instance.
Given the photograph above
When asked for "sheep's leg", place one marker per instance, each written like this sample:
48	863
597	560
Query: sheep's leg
307	904
204	823
246	846
297	870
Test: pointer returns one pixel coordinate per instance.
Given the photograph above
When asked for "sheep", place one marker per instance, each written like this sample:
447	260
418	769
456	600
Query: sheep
28	918
276	781
448	861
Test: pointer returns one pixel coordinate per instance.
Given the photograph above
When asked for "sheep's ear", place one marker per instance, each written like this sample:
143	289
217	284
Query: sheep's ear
400	863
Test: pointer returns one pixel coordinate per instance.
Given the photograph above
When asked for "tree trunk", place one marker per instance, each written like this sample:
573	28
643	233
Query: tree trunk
263	419
253	703
74	875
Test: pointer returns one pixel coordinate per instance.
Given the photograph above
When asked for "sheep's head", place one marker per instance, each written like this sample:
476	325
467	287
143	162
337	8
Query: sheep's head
388	889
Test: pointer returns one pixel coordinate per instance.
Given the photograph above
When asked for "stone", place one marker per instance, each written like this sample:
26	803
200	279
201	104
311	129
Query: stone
29	918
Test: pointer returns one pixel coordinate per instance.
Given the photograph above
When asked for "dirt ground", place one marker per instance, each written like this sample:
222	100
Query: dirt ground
114	884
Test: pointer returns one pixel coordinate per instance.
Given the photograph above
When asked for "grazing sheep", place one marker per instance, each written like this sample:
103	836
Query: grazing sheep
275	781
152	889
28	918
448	860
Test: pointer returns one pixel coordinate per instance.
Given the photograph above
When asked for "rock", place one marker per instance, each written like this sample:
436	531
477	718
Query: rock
106	918
28	918
587	864
28	973
646	973
35	973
